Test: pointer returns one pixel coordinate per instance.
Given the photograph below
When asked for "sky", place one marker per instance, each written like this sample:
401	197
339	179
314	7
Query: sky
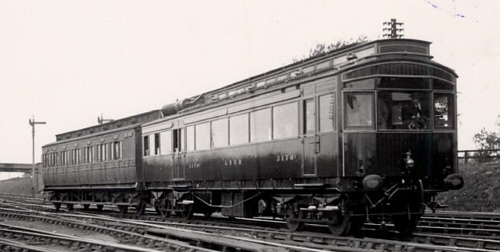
66	62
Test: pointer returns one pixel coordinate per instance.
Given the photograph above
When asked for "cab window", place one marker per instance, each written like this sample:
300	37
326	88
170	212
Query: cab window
359	110
403	110
443	111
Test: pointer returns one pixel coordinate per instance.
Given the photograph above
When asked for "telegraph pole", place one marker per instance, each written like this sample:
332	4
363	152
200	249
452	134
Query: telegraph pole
34	182
392	28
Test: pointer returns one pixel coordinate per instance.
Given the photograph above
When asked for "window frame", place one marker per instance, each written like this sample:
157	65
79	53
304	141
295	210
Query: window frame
198	127
296	134
217	136
269	130
188	130
452	114
333	110
146	145
247	140
370	127
309	119
166	142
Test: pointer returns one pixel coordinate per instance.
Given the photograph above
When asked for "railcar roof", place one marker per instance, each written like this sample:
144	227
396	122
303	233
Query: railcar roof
272	79
116	124
98	134
344	49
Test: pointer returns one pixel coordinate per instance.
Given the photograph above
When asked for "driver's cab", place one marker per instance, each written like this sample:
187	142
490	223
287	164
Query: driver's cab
398	104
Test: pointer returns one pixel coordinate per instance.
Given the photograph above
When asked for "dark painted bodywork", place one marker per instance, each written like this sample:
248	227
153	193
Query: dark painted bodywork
384	154
315	166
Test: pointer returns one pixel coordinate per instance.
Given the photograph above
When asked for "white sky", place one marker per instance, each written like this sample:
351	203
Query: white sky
66	62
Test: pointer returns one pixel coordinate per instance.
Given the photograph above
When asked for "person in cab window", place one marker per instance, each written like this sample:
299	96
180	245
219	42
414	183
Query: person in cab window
413	113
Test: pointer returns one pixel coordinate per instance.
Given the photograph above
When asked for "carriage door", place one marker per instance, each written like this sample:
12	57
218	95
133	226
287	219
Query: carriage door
178	154
310	138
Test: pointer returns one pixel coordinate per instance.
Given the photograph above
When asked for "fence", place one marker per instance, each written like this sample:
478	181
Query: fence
478	156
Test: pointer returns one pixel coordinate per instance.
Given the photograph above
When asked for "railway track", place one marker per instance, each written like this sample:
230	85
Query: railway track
221	237
131	236
16	238
267	234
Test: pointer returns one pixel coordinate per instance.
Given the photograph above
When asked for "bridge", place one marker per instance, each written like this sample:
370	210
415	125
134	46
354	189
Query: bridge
14	167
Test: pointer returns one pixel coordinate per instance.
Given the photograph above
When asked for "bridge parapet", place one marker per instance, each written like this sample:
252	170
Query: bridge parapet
15	167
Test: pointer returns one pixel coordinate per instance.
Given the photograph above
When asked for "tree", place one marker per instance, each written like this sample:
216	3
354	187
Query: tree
486	140
319	48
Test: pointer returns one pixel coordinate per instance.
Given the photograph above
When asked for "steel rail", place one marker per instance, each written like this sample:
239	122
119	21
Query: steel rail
122	230
28	234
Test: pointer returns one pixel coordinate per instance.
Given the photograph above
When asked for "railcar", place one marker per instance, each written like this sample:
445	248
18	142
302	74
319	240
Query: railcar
99	165
364	133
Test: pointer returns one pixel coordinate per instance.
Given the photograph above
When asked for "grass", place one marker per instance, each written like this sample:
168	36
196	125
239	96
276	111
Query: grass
16	186
481	191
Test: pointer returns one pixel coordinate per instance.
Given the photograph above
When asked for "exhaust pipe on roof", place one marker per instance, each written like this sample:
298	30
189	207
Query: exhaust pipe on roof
174	108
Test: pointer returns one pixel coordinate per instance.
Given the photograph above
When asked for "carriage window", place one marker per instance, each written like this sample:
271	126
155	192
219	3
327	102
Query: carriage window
403	110
177	140
157	144
166	142
85	154
260	125
110	151
238	129
309	112
92	153
190	138
326	112
146	145
64	157
117	150
443	110
99	152
285	121
220	131
203	136
103	152
359	110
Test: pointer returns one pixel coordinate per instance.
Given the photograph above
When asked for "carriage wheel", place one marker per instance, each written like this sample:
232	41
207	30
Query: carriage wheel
86	206
187	212
99	207
162	207
339	224
164	213
57	206
291	222
123	209
140	208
